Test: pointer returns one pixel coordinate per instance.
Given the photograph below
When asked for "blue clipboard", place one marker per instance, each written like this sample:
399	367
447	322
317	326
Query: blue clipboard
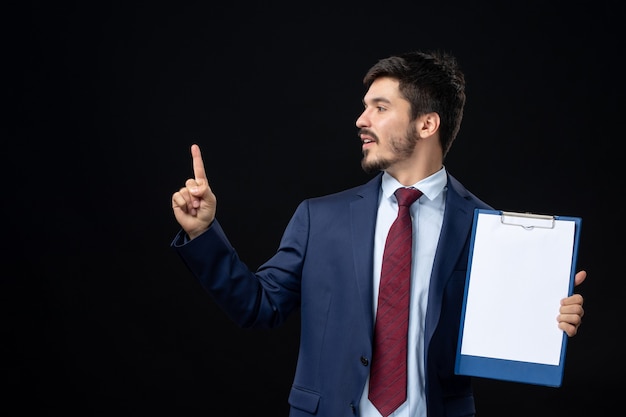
519	263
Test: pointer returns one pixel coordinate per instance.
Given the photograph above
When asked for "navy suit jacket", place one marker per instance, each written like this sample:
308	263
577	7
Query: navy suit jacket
323	267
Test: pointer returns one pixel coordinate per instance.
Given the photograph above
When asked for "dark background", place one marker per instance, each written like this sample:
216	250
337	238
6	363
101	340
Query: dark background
103	100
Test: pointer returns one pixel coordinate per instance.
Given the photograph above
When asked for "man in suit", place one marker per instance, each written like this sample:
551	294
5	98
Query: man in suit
329	260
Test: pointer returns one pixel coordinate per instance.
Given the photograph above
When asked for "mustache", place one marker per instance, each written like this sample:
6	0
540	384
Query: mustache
367	132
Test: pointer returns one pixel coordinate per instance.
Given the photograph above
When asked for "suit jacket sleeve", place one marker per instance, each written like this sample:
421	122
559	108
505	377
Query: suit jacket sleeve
261	299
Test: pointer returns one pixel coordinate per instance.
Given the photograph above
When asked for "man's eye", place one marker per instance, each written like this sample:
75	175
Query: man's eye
381	108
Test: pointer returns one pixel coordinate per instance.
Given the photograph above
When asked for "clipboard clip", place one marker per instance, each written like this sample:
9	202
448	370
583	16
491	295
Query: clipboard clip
528	221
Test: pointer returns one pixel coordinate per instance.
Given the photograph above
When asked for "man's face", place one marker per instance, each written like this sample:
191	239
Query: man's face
387	133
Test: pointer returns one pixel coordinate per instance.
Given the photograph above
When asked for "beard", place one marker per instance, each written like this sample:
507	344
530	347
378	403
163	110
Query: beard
401	147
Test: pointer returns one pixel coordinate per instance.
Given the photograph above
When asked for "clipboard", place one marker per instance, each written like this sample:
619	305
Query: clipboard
520	266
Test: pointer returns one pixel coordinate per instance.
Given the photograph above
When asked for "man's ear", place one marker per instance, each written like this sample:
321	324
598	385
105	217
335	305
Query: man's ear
428	124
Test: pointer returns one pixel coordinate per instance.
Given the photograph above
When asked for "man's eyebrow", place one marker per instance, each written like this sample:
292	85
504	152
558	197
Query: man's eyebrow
376	100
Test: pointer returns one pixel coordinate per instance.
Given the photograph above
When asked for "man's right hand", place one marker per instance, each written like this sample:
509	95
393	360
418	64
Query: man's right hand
194	204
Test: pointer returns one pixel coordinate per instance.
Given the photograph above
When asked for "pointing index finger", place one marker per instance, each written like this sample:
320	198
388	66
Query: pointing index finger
198	164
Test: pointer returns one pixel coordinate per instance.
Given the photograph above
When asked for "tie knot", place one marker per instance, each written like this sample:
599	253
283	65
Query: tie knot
407	196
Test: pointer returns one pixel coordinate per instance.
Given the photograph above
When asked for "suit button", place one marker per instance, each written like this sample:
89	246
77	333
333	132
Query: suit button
364	361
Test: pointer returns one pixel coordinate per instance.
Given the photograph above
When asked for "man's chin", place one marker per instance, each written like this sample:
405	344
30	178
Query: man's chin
372	167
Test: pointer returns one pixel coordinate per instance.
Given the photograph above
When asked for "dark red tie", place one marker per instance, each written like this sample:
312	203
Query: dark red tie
387	389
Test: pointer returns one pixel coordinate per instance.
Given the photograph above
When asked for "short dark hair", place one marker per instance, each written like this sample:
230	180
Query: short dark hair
431	82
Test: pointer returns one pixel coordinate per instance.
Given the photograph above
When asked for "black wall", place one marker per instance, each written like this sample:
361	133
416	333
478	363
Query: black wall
103	100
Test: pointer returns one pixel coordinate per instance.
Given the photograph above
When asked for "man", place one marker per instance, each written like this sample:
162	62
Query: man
329	261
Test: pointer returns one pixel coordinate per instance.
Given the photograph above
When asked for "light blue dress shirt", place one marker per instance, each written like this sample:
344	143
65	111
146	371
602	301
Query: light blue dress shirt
427	214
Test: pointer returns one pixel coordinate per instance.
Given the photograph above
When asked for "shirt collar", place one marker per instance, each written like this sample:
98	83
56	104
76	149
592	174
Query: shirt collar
430	186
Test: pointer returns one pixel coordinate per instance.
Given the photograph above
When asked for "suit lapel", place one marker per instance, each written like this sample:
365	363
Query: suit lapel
457	222
363	212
